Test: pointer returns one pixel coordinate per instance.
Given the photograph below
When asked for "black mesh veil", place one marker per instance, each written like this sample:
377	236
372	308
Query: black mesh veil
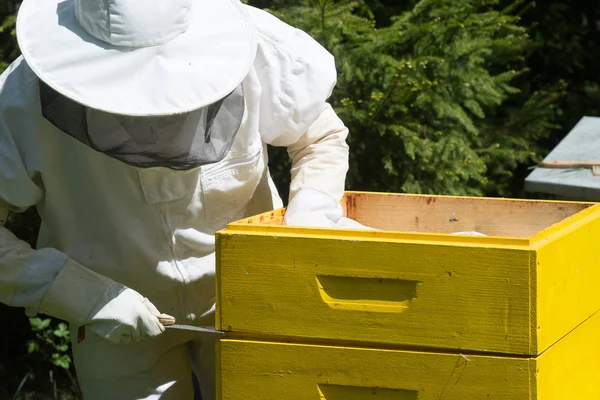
179	142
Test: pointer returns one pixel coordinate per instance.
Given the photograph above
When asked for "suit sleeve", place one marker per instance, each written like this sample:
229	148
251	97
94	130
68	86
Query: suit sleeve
43	280
297	76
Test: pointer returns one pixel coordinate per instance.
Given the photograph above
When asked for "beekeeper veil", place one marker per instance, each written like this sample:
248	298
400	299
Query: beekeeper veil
179	142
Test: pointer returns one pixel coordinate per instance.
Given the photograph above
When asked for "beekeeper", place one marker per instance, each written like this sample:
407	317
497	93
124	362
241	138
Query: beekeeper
138	129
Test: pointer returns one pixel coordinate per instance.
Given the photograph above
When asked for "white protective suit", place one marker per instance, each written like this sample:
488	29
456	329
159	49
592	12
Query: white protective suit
111	230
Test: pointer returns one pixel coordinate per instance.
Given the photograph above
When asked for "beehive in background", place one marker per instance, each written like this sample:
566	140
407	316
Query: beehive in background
411	311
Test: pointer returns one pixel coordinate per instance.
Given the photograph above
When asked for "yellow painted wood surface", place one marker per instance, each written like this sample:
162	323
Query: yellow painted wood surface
568	279
516	294
415	294
259	370
571	368
250	370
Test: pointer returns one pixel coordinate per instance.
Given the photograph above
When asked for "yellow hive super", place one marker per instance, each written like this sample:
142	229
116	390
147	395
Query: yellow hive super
253	370
411	296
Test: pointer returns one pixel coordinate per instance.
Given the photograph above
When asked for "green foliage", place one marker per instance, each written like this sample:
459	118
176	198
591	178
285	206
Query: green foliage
566	38
8	41
51	343
430	98
35	358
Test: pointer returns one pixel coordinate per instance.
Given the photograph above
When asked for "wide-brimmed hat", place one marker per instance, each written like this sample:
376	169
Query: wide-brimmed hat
138	57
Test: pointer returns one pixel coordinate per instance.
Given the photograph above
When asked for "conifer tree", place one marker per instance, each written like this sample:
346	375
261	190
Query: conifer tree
428	98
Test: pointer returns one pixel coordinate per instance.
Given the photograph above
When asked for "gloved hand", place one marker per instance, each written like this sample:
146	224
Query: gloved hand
312	208
122	315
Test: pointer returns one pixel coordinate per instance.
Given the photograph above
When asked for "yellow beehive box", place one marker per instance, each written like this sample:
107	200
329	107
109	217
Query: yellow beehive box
412	284
255	370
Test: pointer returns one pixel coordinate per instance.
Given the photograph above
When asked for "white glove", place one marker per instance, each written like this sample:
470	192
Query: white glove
123	315
312	208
